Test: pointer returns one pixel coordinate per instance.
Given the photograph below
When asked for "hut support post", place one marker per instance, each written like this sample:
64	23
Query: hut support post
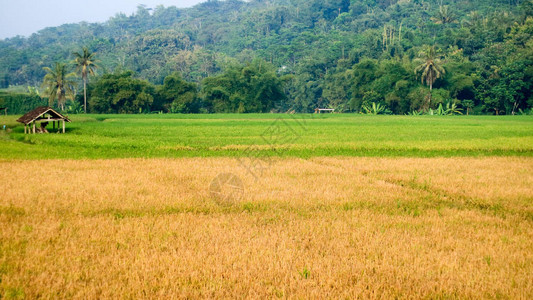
63	125
25	129
33	127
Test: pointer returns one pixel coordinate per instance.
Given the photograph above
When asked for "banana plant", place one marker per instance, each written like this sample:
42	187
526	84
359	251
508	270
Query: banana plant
453	109
415	113
375	109
440	111
526	112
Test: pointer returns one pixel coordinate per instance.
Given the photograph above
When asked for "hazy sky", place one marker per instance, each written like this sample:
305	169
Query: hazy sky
24	17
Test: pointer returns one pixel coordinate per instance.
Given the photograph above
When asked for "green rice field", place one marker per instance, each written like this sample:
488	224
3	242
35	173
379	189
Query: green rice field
236	135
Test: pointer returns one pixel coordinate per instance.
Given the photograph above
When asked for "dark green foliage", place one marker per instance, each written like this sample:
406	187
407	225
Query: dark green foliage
177	96
253	87
19	103
331	53
121	93
385	82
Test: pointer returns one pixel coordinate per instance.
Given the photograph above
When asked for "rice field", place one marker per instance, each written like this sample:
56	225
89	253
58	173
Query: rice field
302	136
244	222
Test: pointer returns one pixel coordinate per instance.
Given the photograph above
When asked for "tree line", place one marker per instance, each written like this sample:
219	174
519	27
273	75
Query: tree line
241	88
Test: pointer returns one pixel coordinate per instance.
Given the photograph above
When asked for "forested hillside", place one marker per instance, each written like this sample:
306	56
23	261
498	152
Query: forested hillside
375	56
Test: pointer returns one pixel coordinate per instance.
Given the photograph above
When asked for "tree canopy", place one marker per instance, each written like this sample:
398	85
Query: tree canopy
309	53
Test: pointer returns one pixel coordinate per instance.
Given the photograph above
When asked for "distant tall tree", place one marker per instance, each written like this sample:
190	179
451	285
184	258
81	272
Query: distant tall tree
430	70
527	9
85	66
58	84
444	16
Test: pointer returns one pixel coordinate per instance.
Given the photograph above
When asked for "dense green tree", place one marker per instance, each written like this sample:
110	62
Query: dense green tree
364	74
509	89
527	8
18	103
337	90
253	87
121	93
177	95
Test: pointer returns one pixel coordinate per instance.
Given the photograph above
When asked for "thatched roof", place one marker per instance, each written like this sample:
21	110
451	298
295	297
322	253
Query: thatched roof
36	115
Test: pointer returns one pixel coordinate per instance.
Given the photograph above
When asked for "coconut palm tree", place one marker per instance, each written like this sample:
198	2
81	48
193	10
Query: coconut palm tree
469	104
430	69
58	84
85	66
444	16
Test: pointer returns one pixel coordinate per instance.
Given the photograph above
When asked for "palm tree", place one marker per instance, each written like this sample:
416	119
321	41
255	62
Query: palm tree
58	84
469	104
85	65
444	16
430	69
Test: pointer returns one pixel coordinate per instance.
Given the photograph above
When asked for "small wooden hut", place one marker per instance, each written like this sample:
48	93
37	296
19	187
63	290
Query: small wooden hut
44	115
320	110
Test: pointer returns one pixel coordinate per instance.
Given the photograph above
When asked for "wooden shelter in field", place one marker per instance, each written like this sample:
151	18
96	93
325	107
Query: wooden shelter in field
43	115
320	110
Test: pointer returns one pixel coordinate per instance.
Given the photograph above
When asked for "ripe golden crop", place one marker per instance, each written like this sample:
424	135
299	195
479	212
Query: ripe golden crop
315	228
